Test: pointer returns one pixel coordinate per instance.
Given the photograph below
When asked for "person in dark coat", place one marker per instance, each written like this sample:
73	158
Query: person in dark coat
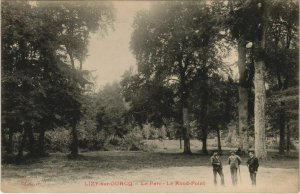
253	165
217	167
234	162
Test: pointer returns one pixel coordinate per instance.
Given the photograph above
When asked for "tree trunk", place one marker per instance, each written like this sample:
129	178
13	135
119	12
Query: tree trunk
9	148
279	81
74	144
31	141
22	144
3	139
180	144
204	110
259	110
243	96
186	130
219	141
287	46
288	139
259	84
185	114
204	141
204	131
42	142
281	129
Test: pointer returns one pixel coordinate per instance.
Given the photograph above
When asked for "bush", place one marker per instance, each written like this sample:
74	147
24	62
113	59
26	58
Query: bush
57	140
150	132
91	140
115	140
133	140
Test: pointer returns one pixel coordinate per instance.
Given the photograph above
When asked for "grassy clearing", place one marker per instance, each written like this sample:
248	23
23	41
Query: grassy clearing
57	167
166	162
57	173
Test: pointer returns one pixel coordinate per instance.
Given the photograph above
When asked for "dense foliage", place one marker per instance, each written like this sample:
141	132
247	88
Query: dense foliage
42	87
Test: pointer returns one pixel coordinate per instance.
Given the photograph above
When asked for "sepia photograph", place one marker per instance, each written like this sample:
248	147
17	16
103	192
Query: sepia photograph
106	96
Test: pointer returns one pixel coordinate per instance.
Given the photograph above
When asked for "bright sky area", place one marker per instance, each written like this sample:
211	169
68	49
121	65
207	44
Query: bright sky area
110	56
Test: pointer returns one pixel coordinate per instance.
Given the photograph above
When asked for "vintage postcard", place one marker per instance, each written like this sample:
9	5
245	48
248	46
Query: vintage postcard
150	96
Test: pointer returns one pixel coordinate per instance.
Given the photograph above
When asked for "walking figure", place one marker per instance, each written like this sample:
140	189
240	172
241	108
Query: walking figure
234	161
253	165
217	167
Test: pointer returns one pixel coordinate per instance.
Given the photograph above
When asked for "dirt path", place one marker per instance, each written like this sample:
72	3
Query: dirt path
172	179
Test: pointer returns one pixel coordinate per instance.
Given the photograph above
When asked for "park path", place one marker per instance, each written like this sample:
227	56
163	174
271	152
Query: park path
171	179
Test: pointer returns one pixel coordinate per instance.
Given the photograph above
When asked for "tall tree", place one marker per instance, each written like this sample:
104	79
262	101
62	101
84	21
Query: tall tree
78	20
175	42
222	100
148	101
243	94
281	31
282	44
282	57
259	80
33	67
111	110
20	71
241	28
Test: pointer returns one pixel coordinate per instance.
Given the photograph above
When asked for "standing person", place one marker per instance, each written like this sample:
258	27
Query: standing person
234	161
253	165
217	167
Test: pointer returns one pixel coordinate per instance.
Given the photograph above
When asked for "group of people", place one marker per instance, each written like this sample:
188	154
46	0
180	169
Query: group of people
234	162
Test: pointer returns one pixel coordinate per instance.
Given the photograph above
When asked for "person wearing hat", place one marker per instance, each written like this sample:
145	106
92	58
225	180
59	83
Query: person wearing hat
217	167
252	164
234	161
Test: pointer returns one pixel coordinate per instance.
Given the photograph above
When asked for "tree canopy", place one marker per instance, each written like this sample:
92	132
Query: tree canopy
41	86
